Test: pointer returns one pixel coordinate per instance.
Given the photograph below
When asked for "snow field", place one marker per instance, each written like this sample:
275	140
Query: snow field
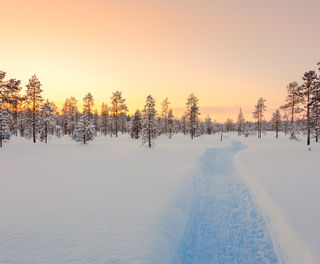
110	201
184	201
284	179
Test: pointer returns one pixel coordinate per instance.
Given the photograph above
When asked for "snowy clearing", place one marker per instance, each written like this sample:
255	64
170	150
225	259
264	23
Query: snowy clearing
183	201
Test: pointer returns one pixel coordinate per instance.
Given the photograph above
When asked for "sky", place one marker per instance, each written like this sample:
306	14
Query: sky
228	52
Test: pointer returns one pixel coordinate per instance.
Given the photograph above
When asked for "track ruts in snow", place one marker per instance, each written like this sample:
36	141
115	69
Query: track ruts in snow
225	225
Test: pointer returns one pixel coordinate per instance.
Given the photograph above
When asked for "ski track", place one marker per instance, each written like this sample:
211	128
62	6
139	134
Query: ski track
225	225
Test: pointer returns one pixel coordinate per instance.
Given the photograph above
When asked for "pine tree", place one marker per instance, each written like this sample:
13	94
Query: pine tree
104	118
47	120
315	108
13	100
293	101
84	130
164	115
240	123
4	111
192	114
70	115
34	101
276	121
229	125
170	123
149	124
208	125
118	107
136	125
88	104
306	92
258	113
4	123
184	124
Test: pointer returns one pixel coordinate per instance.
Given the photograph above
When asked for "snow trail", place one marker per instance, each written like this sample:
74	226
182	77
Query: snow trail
225	225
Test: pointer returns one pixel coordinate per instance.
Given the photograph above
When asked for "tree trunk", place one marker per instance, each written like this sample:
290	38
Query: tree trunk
149	134
292	112
34	123
308	119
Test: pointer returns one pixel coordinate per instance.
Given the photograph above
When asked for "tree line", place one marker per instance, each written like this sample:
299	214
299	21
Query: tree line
31	116
301	110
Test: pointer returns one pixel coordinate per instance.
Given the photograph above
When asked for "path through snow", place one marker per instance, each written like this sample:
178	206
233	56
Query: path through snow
225	225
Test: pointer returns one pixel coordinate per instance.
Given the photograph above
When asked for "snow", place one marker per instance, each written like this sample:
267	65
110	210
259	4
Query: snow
225	226
113	201
284	177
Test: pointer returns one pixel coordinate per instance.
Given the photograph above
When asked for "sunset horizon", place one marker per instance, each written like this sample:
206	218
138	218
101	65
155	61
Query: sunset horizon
228	54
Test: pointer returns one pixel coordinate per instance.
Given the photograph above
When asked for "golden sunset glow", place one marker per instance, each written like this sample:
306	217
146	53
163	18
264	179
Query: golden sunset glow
228	53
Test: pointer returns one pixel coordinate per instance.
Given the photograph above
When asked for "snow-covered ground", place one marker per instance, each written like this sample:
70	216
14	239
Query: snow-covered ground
284	177
184	201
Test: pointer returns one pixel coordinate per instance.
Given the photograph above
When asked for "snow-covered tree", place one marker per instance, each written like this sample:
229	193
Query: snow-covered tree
104	118
276	121
34	101
70	115
13	100
4	123
136	125
292	105
149	123
229	125
123	124
184	124
88	104
192	114
164	116
208	125
47	120
170	123
306	92
258	114
4	111
315	108
118	107
84	130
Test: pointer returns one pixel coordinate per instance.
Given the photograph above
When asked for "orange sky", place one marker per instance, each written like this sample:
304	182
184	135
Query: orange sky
227	52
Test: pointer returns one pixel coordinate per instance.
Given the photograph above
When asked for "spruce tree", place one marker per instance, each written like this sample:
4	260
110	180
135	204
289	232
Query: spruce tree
276	121
306	91
258	114
118	107
84	130
104	118
47	120
149	124
171	129
34	102
4	111
164	116
192	114
293	101
136	125
208	125
88	104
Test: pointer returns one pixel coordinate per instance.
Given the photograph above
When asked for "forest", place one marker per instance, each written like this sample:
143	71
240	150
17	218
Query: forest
31	116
